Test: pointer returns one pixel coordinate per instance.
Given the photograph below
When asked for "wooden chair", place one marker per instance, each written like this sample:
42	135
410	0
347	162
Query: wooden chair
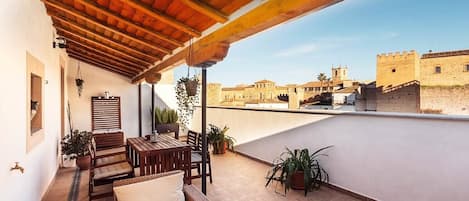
190	192
192	140
106	169
108	144
196	159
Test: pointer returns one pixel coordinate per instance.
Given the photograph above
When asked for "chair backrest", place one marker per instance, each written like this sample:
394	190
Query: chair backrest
199	142
192	140
108	140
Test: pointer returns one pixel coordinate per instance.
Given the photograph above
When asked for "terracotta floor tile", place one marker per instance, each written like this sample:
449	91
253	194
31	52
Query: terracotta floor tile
235	178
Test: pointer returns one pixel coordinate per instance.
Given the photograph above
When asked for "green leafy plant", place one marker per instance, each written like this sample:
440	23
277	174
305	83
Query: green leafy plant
76	144
299	161
165	116
218	139
185	102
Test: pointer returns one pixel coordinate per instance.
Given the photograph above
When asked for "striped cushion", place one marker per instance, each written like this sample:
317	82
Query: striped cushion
112	170
110	151
110	159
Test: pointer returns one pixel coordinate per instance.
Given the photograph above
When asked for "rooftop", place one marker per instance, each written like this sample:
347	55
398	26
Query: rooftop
445	54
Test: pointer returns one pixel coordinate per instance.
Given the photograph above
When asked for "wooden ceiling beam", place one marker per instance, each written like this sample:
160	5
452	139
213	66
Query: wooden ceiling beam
73	12
100	66
95	50
98	45
104	59
148	10
153	33
206	10
104	38
265	16
102	63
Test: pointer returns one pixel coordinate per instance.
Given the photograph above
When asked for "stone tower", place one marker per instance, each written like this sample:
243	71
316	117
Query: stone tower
339	73
394	69
214	96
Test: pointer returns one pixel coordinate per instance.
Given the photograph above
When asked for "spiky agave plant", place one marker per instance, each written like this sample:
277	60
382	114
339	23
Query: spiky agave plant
299	160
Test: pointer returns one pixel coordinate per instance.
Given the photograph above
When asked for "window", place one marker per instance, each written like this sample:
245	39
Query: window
467	68
393	70
438	69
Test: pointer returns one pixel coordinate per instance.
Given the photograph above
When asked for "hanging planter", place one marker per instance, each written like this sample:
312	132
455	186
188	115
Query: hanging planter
191	85
79	81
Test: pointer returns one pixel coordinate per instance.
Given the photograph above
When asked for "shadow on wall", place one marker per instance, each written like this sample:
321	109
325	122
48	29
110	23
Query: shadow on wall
269	148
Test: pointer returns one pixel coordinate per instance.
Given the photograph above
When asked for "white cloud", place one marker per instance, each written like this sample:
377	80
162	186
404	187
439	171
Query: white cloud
298	50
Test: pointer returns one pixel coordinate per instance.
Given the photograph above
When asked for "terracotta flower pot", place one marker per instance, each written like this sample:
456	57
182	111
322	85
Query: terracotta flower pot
83	162
220	148
298	180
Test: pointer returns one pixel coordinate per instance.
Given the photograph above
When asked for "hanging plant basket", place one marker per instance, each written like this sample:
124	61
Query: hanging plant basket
191	87
78	81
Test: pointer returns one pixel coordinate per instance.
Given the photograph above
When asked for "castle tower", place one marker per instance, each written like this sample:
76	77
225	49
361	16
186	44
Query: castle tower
339	73
394	69
214	96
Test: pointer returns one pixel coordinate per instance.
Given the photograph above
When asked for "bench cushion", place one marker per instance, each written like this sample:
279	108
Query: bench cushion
112	170
167	188
112	151
110	160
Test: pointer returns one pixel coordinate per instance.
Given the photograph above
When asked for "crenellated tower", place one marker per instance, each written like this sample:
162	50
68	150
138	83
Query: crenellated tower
393	69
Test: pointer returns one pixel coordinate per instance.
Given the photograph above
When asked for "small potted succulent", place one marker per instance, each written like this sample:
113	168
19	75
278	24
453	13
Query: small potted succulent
219	140
75	146
299	170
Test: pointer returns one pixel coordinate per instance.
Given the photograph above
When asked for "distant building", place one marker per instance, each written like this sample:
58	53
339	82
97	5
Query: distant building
433	83
263	93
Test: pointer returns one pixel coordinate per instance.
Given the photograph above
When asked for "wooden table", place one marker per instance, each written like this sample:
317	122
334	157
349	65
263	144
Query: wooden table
165	155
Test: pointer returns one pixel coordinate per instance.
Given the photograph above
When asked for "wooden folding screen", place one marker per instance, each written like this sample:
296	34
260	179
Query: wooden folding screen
105	113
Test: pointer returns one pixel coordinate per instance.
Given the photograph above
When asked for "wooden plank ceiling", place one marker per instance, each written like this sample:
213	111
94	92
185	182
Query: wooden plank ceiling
128	36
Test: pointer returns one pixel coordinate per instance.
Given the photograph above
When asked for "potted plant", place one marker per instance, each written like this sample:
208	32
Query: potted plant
298	169
191	85
219	140
166	121
185	102
75	146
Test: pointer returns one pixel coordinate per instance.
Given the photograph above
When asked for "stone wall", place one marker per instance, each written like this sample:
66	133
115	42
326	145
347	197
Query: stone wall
405	99
453	71
445	100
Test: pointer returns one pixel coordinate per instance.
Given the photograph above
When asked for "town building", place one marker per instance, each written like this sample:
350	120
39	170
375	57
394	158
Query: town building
267	94
436	82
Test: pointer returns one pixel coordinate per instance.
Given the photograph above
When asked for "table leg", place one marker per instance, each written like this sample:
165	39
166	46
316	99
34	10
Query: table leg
142	164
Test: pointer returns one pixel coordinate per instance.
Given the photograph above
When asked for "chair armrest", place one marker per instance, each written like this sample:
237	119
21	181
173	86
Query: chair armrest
193	194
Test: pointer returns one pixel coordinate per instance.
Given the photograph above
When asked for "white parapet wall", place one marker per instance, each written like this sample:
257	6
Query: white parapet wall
384	156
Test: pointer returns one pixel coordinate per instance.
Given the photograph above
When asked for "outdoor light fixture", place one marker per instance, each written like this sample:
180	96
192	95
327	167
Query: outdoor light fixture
59	42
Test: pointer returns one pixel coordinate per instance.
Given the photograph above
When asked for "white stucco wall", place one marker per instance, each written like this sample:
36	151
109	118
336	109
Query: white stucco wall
396	157
26	27
98	80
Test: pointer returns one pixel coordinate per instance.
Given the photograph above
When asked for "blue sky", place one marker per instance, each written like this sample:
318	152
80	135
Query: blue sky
349	33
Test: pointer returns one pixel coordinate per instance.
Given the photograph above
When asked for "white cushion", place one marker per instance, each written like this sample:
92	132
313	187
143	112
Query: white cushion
167	188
